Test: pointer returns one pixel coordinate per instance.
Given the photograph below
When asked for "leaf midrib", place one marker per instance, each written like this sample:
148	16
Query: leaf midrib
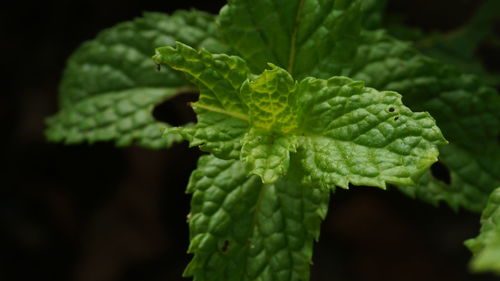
293	39
233	114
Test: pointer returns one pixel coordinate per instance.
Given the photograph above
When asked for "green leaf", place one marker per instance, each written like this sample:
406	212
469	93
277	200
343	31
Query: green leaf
123	116
486	246
221	112
354	134
243	230
304	37
271	104
268	154
464	108
342	131
110	85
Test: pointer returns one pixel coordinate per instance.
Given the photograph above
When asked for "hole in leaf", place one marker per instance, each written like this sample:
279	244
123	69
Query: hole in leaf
225	246
441	172
396	118
176	111
391	109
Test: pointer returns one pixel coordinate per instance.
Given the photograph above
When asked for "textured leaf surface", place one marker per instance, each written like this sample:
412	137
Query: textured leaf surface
342	131
243	230
271	103
110	86
302	36
222	118
486	246
359	135
465	110
268	154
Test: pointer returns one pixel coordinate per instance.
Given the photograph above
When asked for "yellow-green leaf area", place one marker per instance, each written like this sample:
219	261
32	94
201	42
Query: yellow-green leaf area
271	100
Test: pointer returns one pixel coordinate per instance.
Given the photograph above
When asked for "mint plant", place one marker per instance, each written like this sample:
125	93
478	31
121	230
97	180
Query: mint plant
296	98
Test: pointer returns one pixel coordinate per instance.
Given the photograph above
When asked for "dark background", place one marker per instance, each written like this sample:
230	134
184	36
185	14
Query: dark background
97	213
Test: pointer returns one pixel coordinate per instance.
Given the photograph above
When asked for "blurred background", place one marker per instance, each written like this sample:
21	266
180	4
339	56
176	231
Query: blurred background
98	213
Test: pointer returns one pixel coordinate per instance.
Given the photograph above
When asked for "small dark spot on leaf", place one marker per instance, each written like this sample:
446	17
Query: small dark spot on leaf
396	118
225	246
392	109
441	172
175	111
158	66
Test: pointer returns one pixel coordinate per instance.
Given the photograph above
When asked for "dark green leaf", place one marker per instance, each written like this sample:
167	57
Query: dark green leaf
111	86
305	37
243	230
465	110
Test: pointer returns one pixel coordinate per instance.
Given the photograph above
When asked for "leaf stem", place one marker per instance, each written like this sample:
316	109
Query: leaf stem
222	111
291	58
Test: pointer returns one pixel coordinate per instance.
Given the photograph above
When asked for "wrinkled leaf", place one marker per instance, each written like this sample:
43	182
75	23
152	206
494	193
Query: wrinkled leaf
304	37
110	85
243	230
486	246
465	110
342	131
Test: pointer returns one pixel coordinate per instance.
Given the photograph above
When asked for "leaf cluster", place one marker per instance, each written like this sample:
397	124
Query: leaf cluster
296	98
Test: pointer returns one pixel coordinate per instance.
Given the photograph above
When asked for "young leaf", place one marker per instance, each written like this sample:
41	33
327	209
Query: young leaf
268	154
486	246
342	131
465	110
271	103
110	86
221	112
301	36
244	230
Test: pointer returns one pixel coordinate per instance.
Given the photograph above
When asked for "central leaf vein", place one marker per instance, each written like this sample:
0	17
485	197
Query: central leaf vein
291	58
222	111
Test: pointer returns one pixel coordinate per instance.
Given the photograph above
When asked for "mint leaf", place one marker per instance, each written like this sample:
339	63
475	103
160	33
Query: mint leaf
272	108
342	131
486	246
271	103
244	230
123	116
465	110
362	136
110	86
221	113
268	154
302	36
